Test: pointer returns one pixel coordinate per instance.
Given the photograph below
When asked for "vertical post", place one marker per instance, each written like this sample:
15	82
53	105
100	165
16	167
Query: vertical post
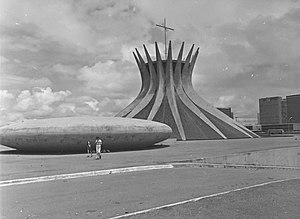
165	25
289	128
165	29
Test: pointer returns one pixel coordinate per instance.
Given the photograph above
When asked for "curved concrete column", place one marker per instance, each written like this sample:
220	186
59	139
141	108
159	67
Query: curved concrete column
151	88
201	103
170	92
182	95
161	84
142	93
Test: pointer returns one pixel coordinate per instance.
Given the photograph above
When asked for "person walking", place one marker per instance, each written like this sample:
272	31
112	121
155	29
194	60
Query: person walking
98	143
89	149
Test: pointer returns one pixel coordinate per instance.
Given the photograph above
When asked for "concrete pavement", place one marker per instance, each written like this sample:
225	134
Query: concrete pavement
267	200
110	195
14	165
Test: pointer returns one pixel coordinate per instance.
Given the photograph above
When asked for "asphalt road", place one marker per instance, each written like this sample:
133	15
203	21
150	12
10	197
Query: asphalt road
278	200
117	194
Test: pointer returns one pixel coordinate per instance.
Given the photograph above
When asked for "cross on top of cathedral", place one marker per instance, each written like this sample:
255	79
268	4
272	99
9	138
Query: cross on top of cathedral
165	29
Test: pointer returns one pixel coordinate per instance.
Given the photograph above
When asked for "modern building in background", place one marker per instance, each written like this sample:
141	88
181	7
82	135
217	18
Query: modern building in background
227	111
270	110
284	115
293	108
279	113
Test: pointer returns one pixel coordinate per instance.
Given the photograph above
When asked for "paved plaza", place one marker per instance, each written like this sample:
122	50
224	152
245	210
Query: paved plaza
168	180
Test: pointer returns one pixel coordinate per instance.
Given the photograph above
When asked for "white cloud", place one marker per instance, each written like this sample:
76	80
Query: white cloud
44	103
65	70
225	101
39	99
30	104
109	79
86	47
6	98
55	19
93	104
9	81
3	60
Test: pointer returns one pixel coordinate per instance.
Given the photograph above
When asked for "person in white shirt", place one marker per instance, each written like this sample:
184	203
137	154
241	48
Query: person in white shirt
98	143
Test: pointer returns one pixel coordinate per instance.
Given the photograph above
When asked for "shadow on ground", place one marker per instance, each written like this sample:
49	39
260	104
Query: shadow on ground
14	151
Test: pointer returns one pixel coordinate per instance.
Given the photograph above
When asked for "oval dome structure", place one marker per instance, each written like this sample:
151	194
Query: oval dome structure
70	134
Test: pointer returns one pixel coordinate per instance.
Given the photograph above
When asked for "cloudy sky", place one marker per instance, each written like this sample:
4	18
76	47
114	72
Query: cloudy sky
74	57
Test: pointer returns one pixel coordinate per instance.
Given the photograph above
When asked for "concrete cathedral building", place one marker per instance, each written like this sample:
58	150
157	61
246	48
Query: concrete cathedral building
167	95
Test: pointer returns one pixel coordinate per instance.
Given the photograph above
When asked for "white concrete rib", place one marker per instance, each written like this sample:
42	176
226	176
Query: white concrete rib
150	91
161	84
182	95
197	100
142	93
170	92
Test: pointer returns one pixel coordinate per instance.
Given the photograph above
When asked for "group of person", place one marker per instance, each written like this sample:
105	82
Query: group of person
98	144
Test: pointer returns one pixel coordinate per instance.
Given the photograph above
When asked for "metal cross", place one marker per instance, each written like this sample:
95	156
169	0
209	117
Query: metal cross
166	28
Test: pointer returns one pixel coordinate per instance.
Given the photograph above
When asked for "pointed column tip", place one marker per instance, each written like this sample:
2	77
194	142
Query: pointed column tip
147	54
169	53
170	45
179	57
145	49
